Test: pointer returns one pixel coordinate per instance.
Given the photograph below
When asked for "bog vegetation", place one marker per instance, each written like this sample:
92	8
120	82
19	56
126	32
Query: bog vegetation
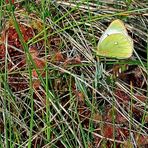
55	91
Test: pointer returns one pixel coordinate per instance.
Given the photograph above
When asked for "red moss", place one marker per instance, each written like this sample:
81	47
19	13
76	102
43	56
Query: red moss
121	96
108	131
11	37
59	57
7	1
16	57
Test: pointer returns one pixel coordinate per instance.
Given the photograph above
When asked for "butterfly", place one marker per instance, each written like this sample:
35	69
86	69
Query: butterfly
115	42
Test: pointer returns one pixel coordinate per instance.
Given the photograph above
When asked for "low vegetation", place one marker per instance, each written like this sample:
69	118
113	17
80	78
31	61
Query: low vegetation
55	91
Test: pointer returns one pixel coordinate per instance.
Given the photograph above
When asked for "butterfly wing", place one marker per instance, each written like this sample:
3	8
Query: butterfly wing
116	26
117	45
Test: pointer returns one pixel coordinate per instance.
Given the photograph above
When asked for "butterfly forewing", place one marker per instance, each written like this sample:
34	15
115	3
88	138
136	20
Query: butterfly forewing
116	26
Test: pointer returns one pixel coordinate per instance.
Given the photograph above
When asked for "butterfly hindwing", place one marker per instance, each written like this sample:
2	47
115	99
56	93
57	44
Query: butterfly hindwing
116	45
